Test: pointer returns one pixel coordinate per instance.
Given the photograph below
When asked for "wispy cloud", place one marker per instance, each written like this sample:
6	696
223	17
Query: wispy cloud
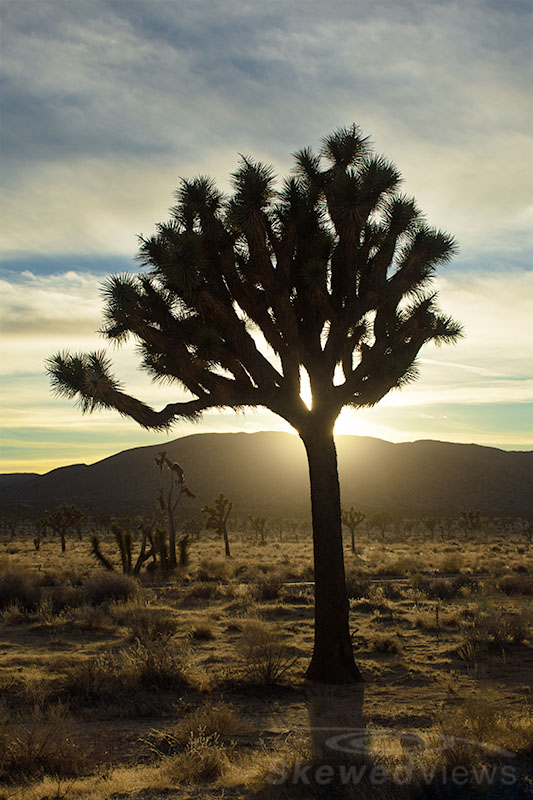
107	102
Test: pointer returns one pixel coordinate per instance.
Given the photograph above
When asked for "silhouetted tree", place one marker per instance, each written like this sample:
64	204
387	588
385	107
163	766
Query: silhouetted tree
193	526
217	519
471	519
352	518
124	539
527	531
61	520
170	493
333	271
259	525
381	521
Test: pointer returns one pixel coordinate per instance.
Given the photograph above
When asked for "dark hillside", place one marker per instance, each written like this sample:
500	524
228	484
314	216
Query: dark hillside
267	472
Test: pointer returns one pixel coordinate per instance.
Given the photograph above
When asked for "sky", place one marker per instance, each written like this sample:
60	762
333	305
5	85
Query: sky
107	103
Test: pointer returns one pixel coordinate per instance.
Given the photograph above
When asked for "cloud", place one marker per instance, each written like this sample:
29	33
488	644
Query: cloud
107	102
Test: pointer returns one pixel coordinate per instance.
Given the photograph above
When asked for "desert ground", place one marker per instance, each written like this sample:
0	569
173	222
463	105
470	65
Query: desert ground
191	684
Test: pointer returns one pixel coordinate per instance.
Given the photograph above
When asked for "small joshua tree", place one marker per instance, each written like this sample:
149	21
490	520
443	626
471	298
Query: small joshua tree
169	495
352	519
259	526
471	519
193	527
430	524
123	536
217	519
62	519
527	532
381	521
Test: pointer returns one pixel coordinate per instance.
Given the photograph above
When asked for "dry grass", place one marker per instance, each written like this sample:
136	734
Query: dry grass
114	676
39	743
105	586
134	659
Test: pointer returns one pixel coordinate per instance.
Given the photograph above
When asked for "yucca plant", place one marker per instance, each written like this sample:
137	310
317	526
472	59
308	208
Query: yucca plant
326	277
169	495
217	519
352	518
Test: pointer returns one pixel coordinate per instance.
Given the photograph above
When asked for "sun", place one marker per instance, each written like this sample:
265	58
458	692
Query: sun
350	423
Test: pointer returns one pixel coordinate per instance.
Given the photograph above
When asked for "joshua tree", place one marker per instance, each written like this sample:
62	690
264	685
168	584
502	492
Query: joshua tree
259	525
217	519
193	527
61	519
169	495
382	520
327	279
527	531
122	533
471	519
430	524
352	519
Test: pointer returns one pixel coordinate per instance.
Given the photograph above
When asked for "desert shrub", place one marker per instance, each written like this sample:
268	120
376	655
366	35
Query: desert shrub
65	596
452	562
113	675
295	596
38	744
268	588
307	573
95	680
145	622
204	591
202	632
265	657
19	587
110	586
248	572
382	643
161	664
506	629
204	760
497	567
498	629
400	566
441	588
519	584
481	720
92	618
391	591
356	587
219	720
213	570
429	622
13	615
62	577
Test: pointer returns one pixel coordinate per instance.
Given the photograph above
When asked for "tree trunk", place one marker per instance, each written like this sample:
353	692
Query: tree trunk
332	660
172	560
353	540
226	541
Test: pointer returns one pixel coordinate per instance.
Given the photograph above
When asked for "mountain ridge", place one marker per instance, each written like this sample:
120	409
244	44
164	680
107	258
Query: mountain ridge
266	470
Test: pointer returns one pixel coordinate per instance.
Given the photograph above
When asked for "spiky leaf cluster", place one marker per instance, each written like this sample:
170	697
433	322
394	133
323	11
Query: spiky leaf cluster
334	269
